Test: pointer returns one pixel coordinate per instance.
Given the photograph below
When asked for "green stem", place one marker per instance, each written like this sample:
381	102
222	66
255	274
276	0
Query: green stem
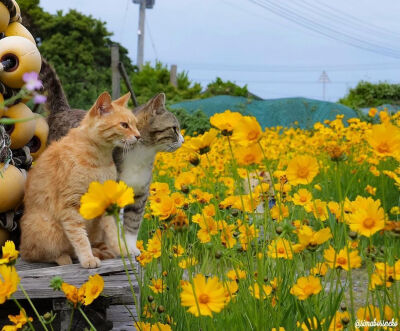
33	307
92	328
21	309
71	320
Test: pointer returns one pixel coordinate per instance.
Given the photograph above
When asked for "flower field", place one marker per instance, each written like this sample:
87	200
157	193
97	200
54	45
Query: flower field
251	229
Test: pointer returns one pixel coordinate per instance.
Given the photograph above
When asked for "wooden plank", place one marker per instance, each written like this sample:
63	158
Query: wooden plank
32	270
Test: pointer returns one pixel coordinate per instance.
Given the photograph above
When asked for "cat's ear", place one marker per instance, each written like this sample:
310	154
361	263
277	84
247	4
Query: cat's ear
102	105
123	101
157	104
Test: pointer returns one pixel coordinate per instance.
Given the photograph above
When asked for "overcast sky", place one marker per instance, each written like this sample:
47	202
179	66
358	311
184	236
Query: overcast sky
249	44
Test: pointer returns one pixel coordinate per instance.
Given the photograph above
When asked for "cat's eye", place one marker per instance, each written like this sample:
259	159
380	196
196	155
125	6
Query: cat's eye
124	125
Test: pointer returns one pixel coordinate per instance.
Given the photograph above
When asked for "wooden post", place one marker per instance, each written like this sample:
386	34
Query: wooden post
116	77
173	75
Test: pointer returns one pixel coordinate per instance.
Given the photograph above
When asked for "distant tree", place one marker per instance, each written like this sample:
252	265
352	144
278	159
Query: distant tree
367	94
220	87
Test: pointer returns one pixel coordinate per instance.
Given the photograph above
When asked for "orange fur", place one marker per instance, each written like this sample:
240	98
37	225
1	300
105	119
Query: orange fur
52	229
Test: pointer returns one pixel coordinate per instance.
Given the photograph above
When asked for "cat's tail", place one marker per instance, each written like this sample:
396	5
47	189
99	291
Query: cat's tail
56	99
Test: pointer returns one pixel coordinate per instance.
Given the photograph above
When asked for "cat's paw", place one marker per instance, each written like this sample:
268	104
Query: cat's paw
90	262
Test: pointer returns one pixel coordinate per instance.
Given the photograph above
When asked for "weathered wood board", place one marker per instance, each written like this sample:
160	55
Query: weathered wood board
36	277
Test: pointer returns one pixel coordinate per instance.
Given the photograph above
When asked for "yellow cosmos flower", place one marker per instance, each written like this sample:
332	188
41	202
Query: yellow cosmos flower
279	212
248	155
188	262
201	144
385	139
10	254
144	326
70	292
226	121
305	287
302	197
184	179
320	269
370	189
158	285
154	245
102	196
236	274
93	288
318	208
208	227
308	238
372	112
339	321
178	250
203	297
247	132
164	207
260	293
20	320
342	260
9	281
302	169
231	289
368	217
280	248
227	238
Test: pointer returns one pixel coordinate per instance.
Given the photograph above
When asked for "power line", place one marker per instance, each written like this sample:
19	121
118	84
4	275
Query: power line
304	21
287	68
152	41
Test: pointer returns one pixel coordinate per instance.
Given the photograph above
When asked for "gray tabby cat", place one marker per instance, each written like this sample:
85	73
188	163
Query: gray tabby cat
159	129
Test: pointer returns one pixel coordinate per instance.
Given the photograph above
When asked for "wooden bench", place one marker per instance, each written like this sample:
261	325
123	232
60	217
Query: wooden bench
108	312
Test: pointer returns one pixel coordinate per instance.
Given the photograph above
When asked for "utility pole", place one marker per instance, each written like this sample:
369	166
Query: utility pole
143	4
140	49
324	79
116	78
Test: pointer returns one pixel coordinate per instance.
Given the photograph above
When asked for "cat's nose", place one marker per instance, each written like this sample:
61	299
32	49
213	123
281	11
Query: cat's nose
138	136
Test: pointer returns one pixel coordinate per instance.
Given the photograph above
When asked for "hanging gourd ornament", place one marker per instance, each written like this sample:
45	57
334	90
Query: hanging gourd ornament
38	142
17	29
4	17
12	183
18	56
21	132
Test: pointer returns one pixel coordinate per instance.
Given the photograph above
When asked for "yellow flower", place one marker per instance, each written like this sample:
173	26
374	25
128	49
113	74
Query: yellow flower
154	245
236	274
93	288
184	179
318	208
226	121
158	286
372	112
320	269
9	281
21	319
260	294
339	321
10	254
342	260
231	289
370	189
302	197
71	293
203	297
201	144
247	131
178	250
385	139
164	207
279	212
305	287
368	217
248	155
188	262
101	196
208	227
280	248
302	170
144	326
308	238
227	238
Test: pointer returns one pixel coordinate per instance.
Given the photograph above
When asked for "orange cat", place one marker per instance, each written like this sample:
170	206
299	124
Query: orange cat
52	229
